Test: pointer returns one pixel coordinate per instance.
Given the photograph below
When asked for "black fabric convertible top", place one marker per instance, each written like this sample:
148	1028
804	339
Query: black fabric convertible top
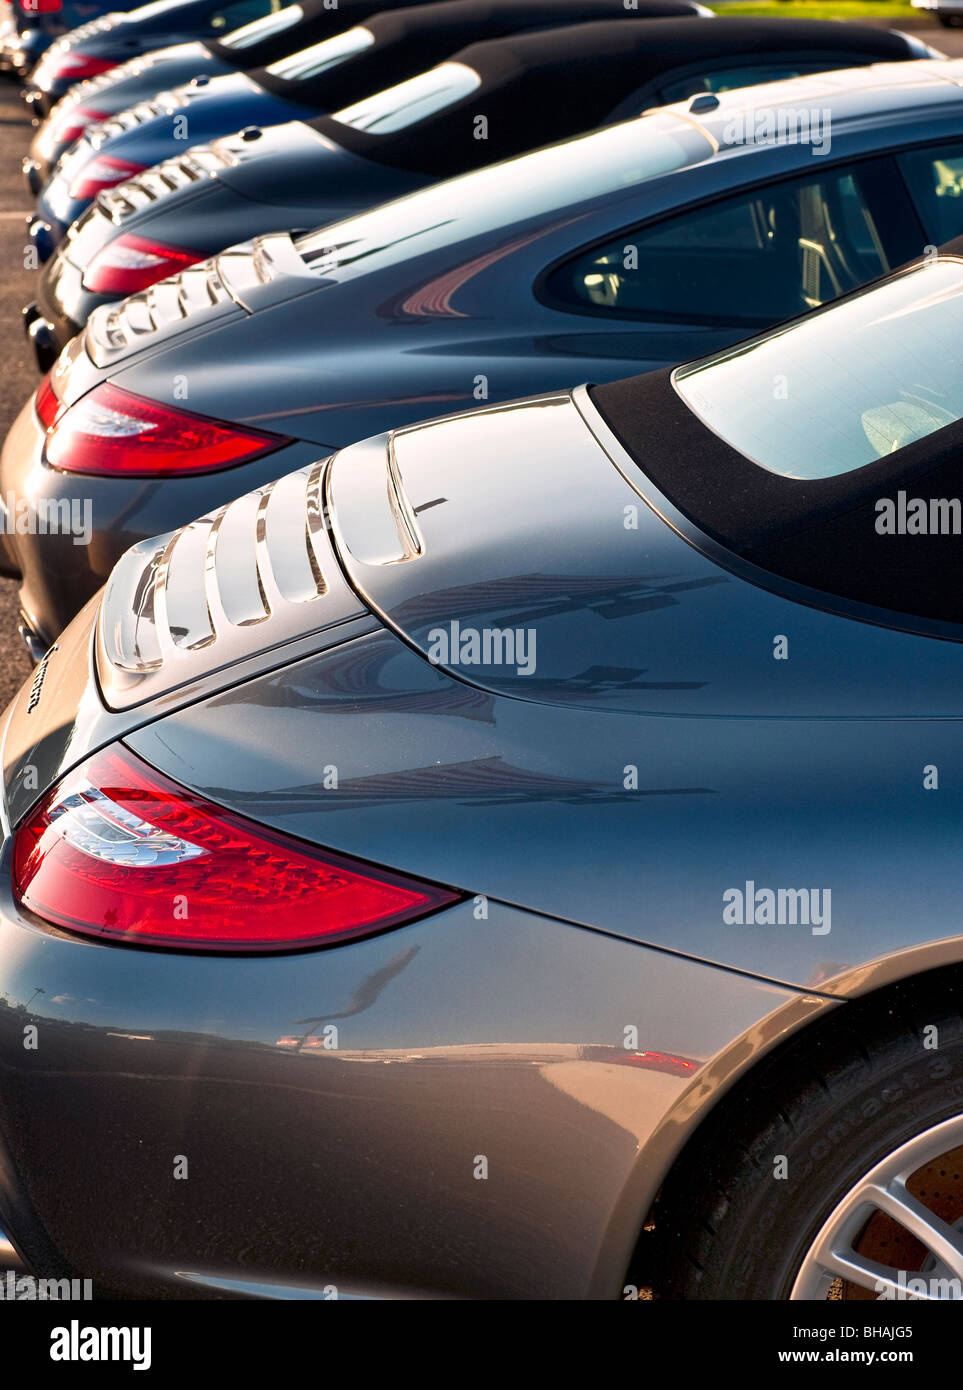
537	89
822	532
411	40
320	21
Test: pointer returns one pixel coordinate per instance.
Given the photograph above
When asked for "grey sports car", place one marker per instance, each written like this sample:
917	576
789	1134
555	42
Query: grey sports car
639	246
517	856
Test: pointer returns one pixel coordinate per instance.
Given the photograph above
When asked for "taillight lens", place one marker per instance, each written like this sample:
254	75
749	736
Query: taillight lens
117	850
74	67
76	122
46	403
131	263
111	431
41	6
103	171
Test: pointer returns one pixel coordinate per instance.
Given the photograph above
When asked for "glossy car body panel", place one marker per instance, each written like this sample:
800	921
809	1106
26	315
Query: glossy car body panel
646	655
451	1043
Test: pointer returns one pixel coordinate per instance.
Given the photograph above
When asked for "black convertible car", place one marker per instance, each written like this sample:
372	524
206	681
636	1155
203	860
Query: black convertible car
509	89
381	46
278	35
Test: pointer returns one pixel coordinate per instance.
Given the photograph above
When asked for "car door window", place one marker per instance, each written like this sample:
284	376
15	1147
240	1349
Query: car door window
935	181
756	258
227	17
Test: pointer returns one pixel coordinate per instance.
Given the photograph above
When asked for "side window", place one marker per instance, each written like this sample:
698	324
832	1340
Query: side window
729	79
755	258
935	181
227	17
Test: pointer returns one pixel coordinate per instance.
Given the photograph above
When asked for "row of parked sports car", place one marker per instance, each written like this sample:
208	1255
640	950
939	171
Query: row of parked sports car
499	824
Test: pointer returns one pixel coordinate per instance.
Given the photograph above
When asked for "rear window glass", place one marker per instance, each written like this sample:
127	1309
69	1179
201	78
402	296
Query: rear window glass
753	259
935	179
834	392
730	79
264	27
411	101
321	56
153	10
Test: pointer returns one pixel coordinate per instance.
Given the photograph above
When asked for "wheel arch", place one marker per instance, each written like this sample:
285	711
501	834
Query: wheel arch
819	1020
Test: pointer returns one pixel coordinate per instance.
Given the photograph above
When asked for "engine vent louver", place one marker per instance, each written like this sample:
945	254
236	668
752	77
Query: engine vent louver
113	330
255	574
159	182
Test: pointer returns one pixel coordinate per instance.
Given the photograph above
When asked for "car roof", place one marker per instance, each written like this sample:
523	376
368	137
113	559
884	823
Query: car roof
850	94
407	41
538	88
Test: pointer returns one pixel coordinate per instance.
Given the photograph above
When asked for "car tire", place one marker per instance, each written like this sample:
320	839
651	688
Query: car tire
950	21
777	1179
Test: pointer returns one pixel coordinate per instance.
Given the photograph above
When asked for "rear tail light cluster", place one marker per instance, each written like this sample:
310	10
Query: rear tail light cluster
76	122
103	171
41	6
46	403
75	67
117	850
111	432
131	263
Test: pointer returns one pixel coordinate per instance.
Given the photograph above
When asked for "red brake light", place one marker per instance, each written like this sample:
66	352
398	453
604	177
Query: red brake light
74	124
131	263
41	6
118	851
103	171
111	431
46	403
74	67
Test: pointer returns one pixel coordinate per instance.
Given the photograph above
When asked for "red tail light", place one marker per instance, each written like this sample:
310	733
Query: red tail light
103	171
131	263
116	850
74	124
46	403
74	67
41	6
111	431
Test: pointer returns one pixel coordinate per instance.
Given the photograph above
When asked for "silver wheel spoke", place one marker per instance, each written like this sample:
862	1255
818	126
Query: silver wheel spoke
883	1189
939	1238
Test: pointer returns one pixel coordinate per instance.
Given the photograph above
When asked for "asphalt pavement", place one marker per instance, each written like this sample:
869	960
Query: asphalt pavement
18	375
